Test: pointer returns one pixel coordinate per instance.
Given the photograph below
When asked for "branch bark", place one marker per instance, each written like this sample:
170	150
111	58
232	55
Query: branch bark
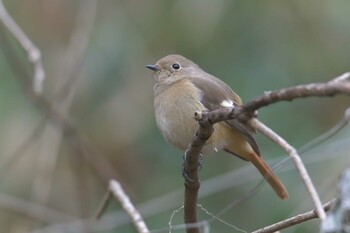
192	184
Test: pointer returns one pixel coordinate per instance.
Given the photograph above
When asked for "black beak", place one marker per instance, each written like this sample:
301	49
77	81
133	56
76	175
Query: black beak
153	67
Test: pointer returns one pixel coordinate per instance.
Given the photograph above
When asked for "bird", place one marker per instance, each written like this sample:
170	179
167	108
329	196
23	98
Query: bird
182	88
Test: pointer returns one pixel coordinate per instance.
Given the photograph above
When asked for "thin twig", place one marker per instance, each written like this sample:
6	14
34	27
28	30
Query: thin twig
34	54
292	152
341	78
116	189
294	220
104	204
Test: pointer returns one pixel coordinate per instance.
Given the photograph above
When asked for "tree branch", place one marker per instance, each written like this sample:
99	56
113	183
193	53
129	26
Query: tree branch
336	86
192	184
34	54
244	113
294	220
117	191
292	152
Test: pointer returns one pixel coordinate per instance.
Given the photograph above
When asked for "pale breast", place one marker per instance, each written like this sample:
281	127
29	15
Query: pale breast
174	111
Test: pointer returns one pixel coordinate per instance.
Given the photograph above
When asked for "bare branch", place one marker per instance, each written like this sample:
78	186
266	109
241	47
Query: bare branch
338	85
245	113
104	204
294	220
34	54
116	189
292	152
191	163
341	78
338	212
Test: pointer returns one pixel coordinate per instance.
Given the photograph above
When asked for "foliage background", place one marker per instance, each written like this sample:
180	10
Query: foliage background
254	46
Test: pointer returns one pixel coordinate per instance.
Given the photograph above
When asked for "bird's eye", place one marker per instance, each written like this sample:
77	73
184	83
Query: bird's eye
176	66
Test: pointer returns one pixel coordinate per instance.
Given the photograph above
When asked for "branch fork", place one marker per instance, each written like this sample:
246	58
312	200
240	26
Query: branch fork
246	113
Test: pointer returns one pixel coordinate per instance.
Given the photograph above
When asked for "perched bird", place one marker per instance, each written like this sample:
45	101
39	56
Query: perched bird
182	88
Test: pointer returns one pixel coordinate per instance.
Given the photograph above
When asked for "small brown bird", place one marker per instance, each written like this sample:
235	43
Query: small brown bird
182	88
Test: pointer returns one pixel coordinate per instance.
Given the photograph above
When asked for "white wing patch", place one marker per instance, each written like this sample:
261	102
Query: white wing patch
227	104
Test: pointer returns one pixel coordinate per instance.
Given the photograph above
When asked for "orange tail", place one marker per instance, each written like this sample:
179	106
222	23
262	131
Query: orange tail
273	180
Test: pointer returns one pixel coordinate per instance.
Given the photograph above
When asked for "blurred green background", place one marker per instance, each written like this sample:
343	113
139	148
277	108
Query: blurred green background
94	55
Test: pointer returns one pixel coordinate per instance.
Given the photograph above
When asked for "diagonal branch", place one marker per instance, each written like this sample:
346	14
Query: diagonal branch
292	152
294	220
34	54
117	191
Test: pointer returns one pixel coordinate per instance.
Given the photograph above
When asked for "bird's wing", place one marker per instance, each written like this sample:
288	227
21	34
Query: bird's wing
217	94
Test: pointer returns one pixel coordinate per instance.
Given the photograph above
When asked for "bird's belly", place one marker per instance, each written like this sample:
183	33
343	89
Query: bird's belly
174	111
178	126
176	122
